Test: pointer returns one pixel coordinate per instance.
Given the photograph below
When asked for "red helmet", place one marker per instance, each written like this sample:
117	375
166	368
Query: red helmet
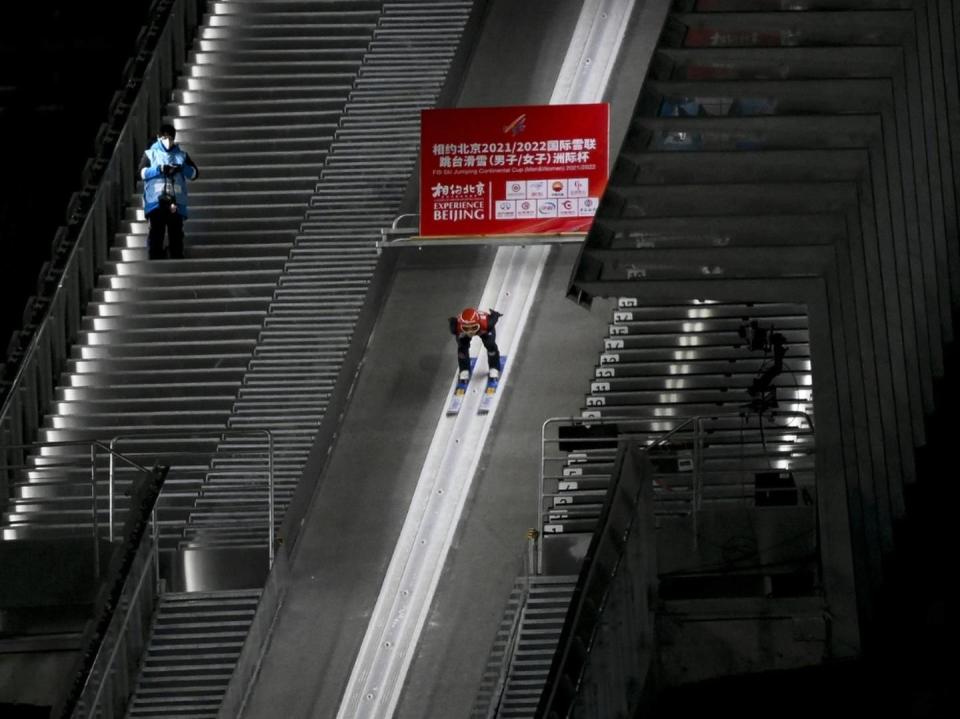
469	321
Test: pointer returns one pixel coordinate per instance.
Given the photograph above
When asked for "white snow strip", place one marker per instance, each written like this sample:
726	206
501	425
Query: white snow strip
414	572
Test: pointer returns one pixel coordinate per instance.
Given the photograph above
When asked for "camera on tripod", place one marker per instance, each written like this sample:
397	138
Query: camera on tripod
766	340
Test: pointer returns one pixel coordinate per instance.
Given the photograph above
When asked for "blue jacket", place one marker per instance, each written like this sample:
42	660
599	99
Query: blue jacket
155	184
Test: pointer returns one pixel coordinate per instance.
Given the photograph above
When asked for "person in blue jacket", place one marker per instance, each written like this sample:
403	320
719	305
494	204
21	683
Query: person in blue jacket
165	168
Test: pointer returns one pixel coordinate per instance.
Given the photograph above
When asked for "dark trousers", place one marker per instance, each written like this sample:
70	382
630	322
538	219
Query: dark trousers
490	344
162	221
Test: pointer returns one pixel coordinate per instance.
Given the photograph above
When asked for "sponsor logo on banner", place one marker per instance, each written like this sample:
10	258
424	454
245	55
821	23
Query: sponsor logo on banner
567	207
546	208
537	189
516	190
578	187
506	209
557	188
526	209
587	207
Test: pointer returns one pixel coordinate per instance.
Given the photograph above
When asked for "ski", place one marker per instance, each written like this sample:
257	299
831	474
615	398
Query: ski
486	401
460	391
456	401
490	391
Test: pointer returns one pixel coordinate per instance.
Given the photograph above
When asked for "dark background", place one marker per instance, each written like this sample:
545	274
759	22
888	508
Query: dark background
60	63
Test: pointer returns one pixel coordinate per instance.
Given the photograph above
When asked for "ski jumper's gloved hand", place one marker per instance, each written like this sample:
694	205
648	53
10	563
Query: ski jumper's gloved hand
453	325
493	317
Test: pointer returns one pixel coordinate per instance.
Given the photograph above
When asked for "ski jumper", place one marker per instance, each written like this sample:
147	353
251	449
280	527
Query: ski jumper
488	336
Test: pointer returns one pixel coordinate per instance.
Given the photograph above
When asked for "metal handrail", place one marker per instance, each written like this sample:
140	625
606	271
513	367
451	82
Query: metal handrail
620	545
510	646
591	571
662	436
113	453
222	434
593	567
395	231
120	603
541	495
94	445
534	560
151	564
395	225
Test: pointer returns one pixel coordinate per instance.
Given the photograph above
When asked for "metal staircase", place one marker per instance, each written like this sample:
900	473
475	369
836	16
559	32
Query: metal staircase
662	365
310	319
524	646
193	648
166	343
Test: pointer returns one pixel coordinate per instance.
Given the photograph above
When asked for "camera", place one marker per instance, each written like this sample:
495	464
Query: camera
759	339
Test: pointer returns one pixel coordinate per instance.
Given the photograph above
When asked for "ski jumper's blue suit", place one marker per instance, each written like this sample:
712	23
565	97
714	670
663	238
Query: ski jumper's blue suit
487	334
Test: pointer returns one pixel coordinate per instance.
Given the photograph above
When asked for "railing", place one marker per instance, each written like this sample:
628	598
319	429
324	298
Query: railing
492	709
111	678
397	236
618	574
9	470
120	629
682	483
594	433
219	436
263	454
95	217
606	647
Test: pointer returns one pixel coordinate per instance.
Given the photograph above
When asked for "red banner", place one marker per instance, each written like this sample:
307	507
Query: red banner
537	169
